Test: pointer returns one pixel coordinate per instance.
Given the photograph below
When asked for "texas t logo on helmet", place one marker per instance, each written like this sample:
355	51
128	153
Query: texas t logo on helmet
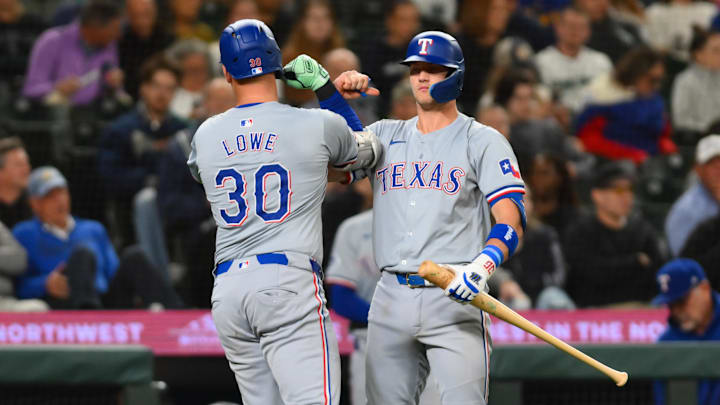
424	43
441	49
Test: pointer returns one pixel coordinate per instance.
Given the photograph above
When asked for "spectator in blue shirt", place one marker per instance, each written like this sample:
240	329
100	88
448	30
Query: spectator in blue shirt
701	201
694	315
71	262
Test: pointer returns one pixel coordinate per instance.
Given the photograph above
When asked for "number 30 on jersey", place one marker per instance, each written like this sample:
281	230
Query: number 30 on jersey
260	177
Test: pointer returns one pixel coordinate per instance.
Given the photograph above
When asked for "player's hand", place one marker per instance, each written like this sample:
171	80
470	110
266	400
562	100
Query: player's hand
352	84
56	284
469	280
305	72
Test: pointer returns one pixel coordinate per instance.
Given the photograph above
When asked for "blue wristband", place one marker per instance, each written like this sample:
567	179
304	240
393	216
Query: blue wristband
337	104
494	253
507	235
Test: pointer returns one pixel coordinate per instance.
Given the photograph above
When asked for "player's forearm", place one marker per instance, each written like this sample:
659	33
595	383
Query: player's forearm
330	99
503	239
338	176
505	213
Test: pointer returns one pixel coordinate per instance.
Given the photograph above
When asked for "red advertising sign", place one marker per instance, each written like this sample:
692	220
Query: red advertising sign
191	332
168	333
587	326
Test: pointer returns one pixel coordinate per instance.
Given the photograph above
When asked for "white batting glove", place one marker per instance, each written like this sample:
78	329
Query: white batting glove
469	279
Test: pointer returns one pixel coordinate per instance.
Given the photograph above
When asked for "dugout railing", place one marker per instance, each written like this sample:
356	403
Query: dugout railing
539	374
534	374
77	375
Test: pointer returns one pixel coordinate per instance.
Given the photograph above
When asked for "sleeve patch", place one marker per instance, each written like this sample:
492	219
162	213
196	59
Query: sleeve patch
506	167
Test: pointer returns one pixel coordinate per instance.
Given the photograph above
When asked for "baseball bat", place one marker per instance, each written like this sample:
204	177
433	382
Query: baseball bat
441	277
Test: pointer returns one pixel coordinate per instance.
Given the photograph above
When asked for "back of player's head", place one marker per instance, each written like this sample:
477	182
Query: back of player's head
248	49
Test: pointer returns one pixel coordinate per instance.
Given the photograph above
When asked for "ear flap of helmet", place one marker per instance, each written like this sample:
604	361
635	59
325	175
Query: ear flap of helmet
448	89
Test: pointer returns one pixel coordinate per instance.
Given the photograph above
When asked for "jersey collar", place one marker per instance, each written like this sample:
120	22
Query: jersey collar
246	105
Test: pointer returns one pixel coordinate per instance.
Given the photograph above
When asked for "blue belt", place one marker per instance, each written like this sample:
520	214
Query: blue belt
412	280
267	258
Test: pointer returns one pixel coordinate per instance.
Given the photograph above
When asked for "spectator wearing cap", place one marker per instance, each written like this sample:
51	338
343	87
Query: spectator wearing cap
701	201
14	173
71	262
696	91
76	61
612	255
568	66
624	116
694	316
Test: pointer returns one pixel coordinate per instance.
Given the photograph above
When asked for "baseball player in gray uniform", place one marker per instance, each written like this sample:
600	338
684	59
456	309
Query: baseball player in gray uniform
441	180
264	167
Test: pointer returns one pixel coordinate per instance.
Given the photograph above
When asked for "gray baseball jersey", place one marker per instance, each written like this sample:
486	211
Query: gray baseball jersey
352	262
432	199
264	170
432	192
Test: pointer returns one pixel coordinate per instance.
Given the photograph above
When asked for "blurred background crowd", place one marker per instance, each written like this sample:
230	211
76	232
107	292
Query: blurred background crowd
610	106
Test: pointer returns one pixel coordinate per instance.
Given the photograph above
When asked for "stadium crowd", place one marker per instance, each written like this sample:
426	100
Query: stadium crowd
612	107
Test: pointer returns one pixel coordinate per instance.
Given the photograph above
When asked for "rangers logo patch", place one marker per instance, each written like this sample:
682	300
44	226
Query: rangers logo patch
424	43
507	168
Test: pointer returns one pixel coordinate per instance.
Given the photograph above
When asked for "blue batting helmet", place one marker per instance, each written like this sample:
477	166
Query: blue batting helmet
248	49
439	48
